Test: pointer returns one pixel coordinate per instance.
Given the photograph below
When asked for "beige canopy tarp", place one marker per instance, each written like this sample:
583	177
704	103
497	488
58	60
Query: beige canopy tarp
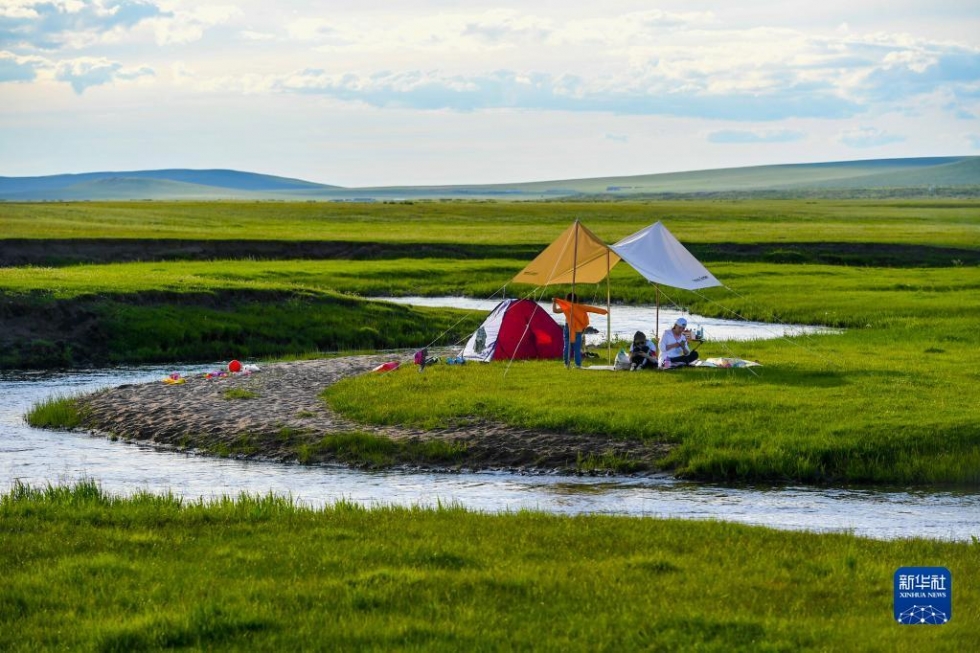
576	256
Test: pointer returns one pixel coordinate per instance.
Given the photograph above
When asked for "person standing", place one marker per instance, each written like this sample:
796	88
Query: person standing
576	321
674	346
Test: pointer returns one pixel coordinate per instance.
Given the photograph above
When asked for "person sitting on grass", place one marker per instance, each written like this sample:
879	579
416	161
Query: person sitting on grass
674	347
576	321
643	353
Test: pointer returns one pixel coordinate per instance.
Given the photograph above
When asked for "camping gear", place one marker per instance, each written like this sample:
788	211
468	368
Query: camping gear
656	254
622	360
660	258
725	362
422	359
516	328
576	256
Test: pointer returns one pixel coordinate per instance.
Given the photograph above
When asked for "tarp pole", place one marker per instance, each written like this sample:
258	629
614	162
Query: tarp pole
571	309
608	312
656	333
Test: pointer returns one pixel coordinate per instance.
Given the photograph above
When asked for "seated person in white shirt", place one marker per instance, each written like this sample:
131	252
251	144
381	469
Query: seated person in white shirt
673	345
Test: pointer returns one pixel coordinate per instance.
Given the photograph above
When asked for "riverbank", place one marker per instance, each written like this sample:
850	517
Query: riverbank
277	414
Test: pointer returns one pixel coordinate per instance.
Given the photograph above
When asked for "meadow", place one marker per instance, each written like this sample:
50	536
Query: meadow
86	571
891	400
939	223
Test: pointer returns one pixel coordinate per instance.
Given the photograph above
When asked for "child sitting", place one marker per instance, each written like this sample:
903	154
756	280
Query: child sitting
643	353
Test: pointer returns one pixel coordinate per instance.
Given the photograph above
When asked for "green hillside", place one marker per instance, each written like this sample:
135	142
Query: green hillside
911	177
123	188
961	172
884	173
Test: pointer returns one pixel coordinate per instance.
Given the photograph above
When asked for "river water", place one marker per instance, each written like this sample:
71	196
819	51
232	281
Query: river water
625	320
40	457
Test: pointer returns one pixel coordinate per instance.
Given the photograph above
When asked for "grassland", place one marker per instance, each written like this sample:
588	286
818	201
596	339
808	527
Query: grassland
86	571
894	399
940	223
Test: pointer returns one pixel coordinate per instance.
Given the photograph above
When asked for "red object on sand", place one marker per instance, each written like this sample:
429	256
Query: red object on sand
386	367
234	366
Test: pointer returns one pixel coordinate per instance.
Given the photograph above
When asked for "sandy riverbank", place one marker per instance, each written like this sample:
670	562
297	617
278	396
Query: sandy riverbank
284	416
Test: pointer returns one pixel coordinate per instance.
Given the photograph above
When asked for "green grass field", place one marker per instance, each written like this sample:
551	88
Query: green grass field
85	571
854	408
947	223
894	399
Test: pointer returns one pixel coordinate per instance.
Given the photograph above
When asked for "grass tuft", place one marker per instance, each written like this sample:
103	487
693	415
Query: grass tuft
55	412
239	393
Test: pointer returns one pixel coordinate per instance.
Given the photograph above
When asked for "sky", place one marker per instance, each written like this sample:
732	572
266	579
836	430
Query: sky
431	92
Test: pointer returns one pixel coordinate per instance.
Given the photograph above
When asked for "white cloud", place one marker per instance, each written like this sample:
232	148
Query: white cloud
250	35
79	24
54	24
734	136
85	72
187	25
19	69
541	91
747	83
507	27
866	137
653	62
17	9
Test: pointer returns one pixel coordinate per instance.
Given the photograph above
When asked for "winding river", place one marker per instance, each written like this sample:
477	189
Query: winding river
41	457
624	320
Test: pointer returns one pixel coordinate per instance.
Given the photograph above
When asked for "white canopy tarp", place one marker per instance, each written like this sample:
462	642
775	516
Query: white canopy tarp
660	258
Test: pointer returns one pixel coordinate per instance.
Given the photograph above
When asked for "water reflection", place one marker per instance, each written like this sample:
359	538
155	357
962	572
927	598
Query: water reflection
41	457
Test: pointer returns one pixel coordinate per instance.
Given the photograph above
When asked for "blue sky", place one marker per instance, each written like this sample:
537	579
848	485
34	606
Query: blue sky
373	93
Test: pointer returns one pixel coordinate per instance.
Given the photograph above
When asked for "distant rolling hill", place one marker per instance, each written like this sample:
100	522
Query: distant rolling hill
877	173
152	184
910	176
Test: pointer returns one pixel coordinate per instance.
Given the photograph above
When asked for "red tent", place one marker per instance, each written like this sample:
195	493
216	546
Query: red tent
516	328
